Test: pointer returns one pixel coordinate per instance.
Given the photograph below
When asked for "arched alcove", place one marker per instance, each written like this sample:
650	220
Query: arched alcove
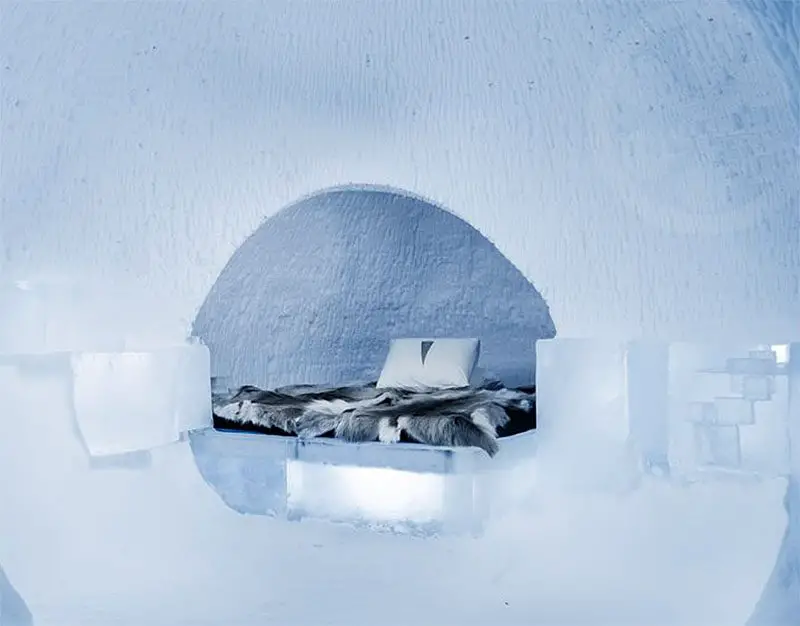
317	291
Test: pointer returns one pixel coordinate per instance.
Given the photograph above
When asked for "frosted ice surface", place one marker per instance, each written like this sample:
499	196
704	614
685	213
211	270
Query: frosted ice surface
682	407
373	495
138	400
42	316
694	410
647	391
581	413
192	380
402	484
247	471
22	327
729	408
407	487
279	476
49	315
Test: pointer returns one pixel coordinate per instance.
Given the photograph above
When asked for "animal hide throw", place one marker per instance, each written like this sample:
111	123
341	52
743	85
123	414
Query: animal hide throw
473	416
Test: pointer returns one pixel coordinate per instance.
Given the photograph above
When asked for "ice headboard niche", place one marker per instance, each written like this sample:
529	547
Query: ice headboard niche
317	291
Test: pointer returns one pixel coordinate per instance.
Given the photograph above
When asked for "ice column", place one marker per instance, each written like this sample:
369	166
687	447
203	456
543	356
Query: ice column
794	410
647	385
582	419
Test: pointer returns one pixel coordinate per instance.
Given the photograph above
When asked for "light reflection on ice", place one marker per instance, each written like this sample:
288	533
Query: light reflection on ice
378	494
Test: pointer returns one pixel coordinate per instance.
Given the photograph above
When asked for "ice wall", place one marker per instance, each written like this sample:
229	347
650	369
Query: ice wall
635	159
316	294
780	602
778	21
13	610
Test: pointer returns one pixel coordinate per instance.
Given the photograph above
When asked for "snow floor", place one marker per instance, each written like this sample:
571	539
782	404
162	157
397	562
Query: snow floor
154	544
660	555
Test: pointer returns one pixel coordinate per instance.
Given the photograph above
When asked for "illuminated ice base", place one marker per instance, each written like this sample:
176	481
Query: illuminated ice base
407	488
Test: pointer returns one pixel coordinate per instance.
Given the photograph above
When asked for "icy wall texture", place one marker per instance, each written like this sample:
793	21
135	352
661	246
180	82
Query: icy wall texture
778	21
318	291
635	159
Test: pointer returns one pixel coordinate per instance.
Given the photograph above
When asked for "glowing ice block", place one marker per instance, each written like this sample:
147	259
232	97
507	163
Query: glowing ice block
132	401
406	488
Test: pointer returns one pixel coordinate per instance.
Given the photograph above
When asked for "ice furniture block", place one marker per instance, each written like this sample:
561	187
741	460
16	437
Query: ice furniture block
689	409
581	413
400	487
728	408
132	401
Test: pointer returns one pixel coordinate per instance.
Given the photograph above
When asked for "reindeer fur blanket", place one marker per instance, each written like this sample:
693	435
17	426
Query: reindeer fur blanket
453	417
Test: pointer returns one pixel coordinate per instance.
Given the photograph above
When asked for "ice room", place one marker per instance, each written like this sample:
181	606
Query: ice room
398	312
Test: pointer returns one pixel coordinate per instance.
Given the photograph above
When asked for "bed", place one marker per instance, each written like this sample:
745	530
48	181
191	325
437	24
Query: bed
430	391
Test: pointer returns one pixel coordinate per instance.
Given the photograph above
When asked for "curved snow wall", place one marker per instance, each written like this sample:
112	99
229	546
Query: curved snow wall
636	160
317	292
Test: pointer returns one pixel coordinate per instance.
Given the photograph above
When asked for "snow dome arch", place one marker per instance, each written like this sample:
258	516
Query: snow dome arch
596	146
318	290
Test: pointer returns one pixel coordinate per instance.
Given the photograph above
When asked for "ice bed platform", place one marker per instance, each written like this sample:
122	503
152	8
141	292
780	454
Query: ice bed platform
405	487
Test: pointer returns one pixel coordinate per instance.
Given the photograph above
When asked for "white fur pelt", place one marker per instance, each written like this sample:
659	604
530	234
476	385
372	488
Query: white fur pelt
452	417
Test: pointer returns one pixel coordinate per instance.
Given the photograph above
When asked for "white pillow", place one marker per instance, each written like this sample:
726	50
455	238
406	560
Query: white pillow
422	364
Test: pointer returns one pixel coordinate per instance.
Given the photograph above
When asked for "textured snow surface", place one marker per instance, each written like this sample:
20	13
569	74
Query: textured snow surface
155	545
636	160
316	293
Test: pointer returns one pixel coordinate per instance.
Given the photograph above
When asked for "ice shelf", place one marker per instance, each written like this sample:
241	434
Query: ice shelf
682	409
